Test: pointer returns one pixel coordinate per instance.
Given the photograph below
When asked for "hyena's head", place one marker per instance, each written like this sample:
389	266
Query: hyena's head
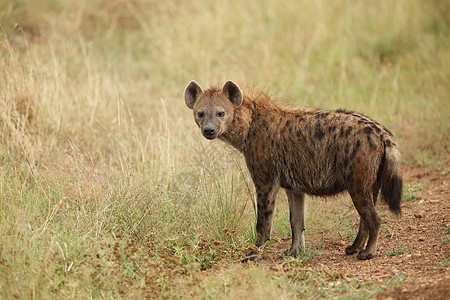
213	109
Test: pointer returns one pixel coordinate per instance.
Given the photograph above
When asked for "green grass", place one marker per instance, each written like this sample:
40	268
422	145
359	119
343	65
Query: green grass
410	190
397	251
107	189
446	238
443	263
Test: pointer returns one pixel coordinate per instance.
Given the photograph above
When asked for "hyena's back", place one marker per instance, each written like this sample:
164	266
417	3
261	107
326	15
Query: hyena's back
320	152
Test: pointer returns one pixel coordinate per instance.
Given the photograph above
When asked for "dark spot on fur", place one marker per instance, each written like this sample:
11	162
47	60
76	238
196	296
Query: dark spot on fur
358	144
376	128
344	111
347	132
367	130
300	117
331	129
300	135
288	126
387	130
318	133
388	143
321	115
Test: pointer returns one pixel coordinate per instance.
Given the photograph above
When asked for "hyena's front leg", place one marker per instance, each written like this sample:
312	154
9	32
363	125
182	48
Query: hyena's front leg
265	200
297	218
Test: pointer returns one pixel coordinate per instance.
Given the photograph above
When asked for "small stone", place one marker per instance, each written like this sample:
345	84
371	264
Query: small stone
418	216
277	268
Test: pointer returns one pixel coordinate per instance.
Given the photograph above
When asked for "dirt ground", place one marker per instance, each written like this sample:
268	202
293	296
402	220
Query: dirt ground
422	234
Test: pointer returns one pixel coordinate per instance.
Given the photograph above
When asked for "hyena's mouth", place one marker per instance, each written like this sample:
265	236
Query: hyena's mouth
210	133
210	136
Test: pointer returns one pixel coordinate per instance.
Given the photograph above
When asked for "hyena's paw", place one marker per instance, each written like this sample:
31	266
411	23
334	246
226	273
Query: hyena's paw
349	250
293	252
364	254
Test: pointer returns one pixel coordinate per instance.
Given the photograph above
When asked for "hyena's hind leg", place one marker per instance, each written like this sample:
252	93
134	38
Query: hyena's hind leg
363	232
360	239
369	225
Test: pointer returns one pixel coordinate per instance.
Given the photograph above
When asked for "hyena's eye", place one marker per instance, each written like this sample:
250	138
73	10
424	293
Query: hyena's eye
221	114
200	114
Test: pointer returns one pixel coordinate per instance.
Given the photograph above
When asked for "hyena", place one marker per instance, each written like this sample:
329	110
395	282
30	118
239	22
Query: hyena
305	151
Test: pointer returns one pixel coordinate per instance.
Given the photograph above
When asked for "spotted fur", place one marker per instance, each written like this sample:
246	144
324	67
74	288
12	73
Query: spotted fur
305	151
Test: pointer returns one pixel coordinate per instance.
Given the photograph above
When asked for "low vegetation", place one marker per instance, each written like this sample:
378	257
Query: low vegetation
107	190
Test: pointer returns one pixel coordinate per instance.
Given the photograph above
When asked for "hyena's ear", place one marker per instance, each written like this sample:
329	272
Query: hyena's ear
191	93
233	92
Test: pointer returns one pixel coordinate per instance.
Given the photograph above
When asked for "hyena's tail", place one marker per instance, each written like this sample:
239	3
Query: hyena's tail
391	179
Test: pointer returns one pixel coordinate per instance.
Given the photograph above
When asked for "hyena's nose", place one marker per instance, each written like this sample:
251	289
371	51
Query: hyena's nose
208	131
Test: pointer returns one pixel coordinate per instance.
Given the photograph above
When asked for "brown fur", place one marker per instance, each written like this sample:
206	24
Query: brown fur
304	150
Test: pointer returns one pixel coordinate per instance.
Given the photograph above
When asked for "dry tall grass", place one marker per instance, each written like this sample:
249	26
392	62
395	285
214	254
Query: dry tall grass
106	187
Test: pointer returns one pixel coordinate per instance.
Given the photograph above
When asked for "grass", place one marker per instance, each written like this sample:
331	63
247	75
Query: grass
446	238
445	262
410	190
107	190
396	251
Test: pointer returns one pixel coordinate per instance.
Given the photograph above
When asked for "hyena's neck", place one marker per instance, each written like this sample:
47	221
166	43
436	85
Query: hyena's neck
237	131
254	104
